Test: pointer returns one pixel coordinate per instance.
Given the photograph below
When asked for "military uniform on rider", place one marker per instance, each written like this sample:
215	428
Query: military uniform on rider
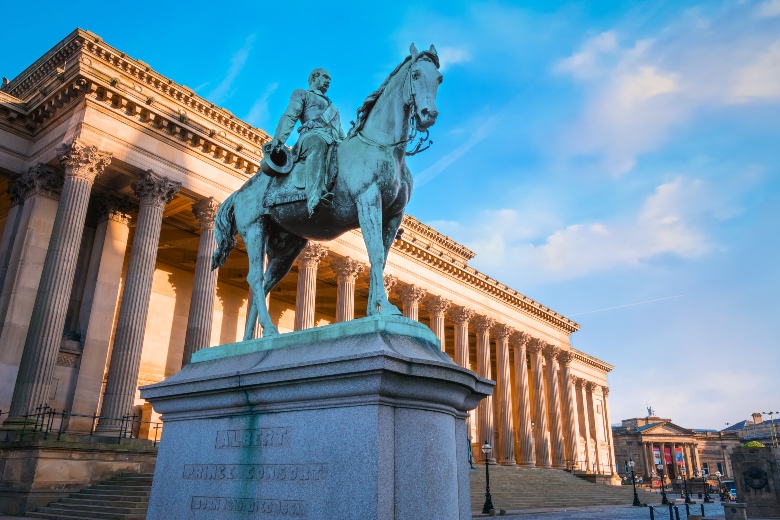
320	129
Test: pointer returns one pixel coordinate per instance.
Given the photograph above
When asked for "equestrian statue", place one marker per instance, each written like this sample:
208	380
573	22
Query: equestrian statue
330	183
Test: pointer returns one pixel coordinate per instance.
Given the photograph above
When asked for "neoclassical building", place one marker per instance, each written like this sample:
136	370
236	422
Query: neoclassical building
113	174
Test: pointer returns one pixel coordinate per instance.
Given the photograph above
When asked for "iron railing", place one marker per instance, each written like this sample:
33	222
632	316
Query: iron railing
45	422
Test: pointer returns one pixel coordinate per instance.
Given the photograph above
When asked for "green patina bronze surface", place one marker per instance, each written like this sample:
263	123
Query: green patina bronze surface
367	184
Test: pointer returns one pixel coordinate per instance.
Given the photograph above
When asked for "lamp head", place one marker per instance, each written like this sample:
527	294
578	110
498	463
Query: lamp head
486	448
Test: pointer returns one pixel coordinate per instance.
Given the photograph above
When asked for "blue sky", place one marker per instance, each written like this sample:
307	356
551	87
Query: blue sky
594	154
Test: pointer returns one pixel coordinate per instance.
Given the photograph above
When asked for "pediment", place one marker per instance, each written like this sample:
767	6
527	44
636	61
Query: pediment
666	429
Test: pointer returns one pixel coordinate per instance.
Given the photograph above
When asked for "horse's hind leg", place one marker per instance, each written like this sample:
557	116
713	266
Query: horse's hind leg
283	249
369	204
255	240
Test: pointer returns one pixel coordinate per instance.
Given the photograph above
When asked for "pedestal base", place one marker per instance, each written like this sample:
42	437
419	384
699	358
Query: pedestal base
358	420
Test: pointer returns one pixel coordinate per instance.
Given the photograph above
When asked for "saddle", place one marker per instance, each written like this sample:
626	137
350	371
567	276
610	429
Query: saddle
283	189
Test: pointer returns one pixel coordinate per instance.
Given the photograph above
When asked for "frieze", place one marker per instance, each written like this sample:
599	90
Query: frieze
65	359
256	472
254	506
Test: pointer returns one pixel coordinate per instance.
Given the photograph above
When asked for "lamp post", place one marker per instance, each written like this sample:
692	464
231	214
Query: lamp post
707	497
486	448
633	483
685	486
664	500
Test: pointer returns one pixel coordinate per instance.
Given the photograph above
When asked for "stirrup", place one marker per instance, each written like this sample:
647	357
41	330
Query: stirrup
326	199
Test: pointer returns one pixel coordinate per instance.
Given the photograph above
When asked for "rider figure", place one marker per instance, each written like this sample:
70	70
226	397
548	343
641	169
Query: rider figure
320	128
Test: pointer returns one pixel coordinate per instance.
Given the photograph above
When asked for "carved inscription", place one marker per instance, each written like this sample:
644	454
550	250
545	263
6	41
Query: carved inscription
262	437
259	472
263	506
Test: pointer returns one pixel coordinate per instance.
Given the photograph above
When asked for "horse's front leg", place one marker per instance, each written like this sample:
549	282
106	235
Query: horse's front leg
369	204
389	233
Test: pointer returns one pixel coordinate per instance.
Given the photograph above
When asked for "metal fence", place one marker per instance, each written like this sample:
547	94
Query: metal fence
46	423
674	511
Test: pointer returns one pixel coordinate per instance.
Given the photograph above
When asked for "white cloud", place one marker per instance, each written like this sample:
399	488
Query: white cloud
768	9
638	94
258	114
760	79
449	56
223	91
671	221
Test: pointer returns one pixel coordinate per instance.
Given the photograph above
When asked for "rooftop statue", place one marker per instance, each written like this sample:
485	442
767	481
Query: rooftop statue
330	183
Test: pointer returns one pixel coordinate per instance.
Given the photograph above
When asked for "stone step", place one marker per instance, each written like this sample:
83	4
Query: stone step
108	497
104	507
118	490
58	512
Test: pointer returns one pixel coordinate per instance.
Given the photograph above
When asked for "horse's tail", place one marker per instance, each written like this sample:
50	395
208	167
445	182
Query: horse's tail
224	232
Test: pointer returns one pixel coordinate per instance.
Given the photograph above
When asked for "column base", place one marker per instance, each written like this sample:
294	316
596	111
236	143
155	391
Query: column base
16	424
527	464
508	463
325	426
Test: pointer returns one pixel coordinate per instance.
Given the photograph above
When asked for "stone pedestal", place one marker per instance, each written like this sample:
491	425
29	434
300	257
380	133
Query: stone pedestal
757	477
357	420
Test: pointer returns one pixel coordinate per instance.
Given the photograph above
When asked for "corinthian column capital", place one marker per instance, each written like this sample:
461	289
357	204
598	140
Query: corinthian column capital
390	282
155	190
535	345
590	385
501	331
113	208
550	352
519	340
482	324
411	294
437	305
38	180
81	160
461	315
346	269
605	390
565	357
205	210
312	254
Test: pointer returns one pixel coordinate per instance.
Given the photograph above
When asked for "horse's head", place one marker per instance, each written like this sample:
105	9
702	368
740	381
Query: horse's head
424	81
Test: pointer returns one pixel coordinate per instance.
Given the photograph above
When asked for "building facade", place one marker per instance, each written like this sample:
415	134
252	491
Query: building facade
113	176
651	440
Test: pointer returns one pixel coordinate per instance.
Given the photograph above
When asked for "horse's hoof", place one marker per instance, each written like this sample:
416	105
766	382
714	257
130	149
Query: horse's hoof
270	331
390	310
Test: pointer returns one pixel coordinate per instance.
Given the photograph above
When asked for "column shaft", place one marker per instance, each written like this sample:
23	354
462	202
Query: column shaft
154	193
347	271
506	436
541	438
461	316
98	310
51	301
554	404
437	306
485	409
525	440
201	313
585	425
590	387
308	262
570	412
608	426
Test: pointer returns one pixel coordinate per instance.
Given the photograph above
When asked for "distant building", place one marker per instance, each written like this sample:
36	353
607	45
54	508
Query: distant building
652	440
765	432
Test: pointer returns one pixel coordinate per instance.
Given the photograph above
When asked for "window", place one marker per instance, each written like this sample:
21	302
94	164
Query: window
720	468
706	468
625	466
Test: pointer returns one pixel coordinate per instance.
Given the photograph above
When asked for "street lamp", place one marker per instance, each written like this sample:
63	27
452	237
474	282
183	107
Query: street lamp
633	483
707	497
664	500
685	485
486	448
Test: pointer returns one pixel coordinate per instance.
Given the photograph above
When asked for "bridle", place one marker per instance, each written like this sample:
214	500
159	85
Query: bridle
411	103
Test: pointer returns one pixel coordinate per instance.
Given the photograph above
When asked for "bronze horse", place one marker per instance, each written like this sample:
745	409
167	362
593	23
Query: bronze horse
371	190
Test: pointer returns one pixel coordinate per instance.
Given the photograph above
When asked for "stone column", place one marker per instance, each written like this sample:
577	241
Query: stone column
437	306
662	446
569	409
204	285
96	316
541	440
17	193
608	426
308	262
554	406
585	423
411	296
696	457
461	316
647	456
82	164
482	326
154	192
347	271
36	193
506	436
591	387
524	432
687	459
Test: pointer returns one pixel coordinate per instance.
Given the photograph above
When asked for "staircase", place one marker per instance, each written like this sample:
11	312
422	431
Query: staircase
125	497
515	488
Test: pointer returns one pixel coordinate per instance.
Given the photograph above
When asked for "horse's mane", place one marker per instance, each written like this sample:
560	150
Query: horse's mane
368	104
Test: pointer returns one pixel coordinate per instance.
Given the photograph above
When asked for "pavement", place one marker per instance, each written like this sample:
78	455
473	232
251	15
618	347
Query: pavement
712	511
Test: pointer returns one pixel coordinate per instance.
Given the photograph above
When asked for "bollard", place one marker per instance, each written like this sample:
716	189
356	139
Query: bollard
676	513
687	510
652	514
702	510
671	512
